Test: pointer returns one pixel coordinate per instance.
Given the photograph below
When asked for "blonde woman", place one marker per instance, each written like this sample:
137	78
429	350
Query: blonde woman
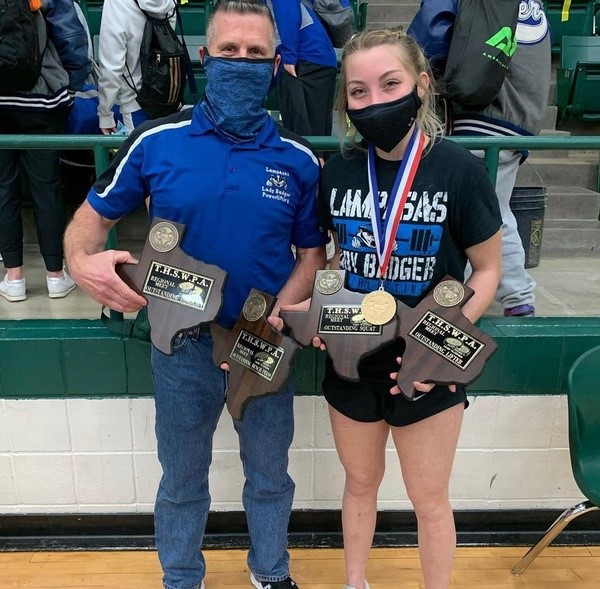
406	207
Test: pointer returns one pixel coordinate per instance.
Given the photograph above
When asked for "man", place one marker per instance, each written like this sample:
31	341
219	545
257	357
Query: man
517	109
307	82
210	168
42	108
306	87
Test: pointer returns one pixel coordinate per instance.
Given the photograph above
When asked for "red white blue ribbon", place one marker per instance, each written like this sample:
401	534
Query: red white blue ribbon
384	229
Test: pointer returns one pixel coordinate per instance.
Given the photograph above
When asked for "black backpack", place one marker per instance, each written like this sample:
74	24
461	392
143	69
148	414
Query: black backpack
165	63
20	55
483	42
336	16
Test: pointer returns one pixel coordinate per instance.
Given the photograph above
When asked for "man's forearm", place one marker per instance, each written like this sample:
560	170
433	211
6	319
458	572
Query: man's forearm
86	233
300	283
93	268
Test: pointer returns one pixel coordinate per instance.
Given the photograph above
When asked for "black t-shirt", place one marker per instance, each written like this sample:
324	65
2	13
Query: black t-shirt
452	206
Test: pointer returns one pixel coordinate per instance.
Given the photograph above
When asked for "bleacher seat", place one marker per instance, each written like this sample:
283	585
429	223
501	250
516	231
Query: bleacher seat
360	14
577	19
584	447
578	78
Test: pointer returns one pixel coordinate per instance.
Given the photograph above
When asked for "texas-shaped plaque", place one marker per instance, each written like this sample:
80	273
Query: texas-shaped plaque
442	345
182	292
336	316
258	355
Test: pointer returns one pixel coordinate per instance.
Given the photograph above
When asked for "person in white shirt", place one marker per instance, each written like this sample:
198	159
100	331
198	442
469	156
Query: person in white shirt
121	31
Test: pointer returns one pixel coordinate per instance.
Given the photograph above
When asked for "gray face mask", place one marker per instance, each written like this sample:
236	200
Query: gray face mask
385	124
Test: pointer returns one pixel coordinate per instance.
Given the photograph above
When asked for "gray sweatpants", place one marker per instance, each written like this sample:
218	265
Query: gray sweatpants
516	284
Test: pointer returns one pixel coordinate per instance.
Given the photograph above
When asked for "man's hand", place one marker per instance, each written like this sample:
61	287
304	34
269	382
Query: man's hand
290	68
95	274
277	322
421	387
108	131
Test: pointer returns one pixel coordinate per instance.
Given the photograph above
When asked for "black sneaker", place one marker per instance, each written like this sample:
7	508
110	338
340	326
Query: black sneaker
285	584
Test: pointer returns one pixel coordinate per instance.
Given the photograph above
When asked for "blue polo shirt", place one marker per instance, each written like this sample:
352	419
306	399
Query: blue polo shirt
244	204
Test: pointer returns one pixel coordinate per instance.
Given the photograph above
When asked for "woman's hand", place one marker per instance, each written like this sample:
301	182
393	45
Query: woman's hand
421	387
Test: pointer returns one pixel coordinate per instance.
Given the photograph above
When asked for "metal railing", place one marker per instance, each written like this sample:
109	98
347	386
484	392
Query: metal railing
492	146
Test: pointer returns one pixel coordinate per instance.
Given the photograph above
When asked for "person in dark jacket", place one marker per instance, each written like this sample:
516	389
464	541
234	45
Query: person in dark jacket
518	109
306	87
43	109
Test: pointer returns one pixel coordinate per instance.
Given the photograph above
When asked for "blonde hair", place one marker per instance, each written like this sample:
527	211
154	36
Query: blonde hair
414	61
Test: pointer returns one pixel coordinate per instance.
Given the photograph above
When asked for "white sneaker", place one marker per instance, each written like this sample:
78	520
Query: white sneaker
13	290
350	586
60	287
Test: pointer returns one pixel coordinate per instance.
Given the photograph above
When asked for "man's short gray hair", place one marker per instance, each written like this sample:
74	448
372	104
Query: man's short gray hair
239	7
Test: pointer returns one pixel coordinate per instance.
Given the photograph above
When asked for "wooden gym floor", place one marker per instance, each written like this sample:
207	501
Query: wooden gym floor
389	568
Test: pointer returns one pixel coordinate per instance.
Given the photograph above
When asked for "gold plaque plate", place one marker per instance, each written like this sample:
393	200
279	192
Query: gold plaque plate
254	307
449	293
329	282
163	236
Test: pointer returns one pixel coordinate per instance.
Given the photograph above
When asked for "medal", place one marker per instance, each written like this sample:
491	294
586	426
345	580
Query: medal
384	229
378	307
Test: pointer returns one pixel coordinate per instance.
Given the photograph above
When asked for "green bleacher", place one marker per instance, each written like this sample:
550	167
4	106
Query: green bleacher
578	78
571	18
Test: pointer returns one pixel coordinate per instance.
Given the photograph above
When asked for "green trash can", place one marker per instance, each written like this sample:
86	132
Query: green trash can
528	204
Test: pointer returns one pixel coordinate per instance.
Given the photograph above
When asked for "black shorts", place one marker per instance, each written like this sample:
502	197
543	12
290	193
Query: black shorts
368	402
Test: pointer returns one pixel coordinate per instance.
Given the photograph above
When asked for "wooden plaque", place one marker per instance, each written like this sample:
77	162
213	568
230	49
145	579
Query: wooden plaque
336	316
442	345
258	355
182	292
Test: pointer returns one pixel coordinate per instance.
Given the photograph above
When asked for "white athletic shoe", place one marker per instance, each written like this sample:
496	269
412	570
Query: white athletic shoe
13	290
60	287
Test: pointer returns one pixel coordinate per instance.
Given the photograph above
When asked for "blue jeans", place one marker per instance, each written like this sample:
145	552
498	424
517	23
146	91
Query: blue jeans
189	397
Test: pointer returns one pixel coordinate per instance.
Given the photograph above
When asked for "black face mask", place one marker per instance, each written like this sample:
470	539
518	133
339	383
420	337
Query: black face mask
385	124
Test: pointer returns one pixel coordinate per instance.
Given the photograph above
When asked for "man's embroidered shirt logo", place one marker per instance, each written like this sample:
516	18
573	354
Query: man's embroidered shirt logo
276	185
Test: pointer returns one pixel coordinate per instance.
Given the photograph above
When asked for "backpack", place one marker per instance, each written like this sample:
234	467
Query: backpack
164	62
20	55
336	16
483	42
